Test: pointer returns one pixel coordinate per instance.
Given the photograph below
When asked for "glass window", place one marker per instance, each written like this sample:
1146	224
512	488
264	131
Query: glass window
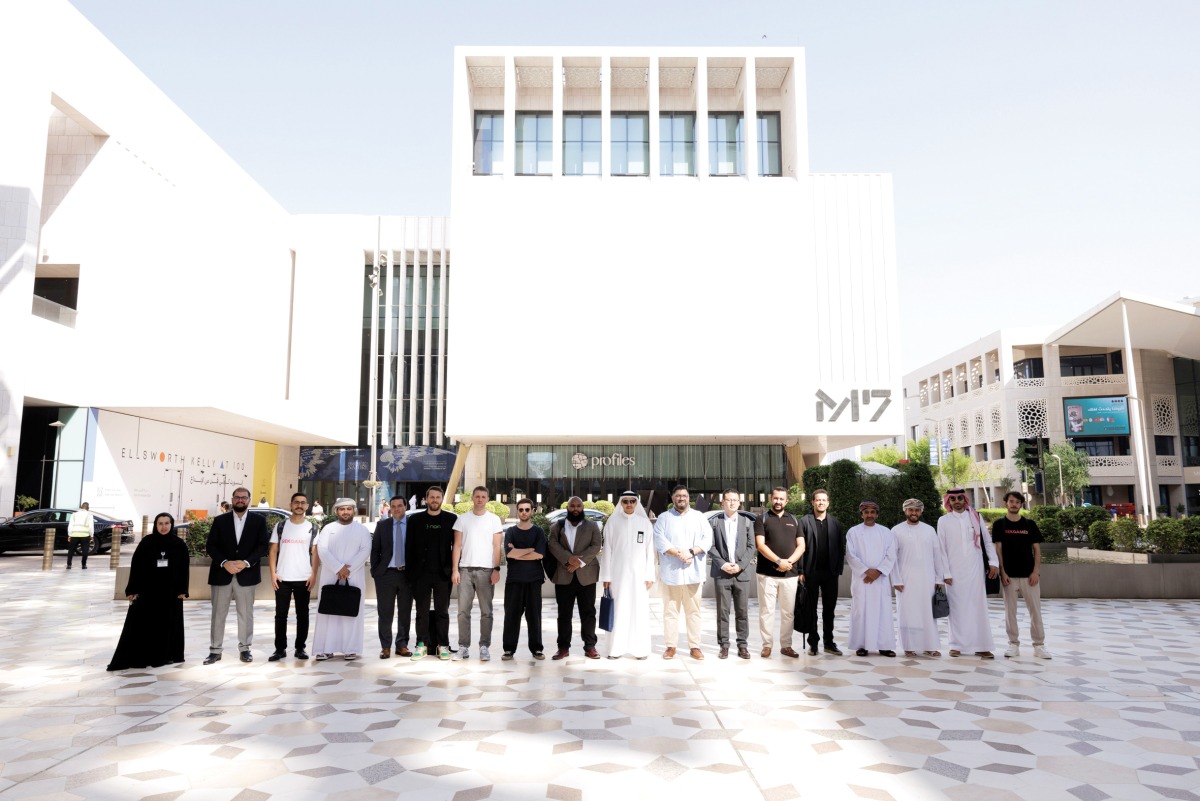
768	144
725	144
489	142
581	143
677	143
630	133
1164	445
534	140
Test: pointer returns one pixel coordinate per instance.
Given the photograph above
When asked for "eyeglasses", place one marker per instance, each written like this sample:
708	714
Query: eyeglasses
629	503
524	508
957	497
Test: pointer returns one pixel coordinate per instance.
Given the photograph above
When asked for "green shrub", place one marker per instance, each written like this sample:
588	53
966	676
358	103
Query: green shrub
1040	513
1125	533
197	537
1052	530
1100	535
24	502
1086	515
1191	533
992	515
798	508
604	507
539	520
500	510
1165	534
462	507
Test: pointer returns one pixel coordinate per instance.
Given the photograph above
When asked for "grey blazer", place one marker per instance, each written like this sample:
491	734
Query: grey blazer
587	547
743	553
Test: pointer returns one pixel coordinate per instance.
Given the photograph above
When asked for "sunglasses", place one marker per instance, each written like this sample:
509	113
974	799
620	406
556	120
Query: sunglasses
628	503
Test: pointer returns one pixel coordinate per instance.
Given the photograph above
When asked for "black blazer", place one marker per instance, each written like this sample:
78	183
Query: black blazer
223	546
744	549
382	543
837	544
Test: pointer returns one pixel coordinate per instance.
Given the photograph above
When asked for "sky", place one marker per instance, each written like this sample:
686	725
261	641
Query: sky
1045	154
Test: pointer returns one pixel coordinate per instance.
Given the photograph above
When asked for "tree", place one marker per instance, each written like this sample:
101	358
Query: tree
956	470
845	491
918	451
1075	473
986	473
916	481
885	454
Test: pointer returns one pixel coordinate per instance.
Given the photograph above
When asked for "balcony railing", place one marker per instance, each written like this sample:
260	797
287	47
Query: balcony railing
1110	465
1169	466
1093	380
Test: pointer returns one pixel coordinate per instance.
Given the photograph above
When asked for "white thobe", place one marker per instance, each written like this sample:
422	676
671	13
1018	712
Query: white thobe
628	564
969	628
871	622
920	565
338	545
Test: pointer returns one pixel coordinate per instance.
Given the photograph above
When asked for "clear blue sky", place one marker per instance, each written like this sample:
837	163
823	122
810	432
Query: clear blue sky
1045	154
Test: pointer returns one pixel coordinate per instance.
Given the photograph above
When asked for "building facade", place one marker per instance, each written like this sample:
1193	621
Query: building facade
1119	382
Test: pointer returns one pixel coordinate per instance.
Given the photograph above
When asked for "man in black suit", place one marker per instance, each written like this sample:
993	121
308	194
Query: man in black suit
389	568
730	555
823	561
237	542
427	553
574	544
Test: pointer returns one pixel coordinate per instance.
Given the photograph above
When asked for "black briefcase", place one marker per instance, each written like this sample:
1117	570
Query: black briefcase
607	611
340	599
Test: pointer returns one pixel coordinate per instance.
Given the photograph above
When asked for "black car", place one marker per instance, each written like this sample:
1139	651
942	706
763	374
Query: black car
27	532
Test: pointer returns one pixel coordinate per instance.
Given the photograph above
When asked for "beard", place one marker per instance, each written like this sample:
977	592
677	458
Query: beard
575	517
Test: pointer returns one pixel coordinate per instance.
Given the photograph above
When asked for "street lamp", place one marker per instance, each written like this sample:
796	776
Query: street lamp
1061	494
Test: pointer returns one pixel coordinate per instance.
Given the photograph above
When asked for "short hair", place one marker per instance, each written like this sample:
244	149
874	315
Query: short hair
296	495
400	498
1014	494
679	487
84	505
435	488
784	490
820	491
732	492
480	488
525	501
240	489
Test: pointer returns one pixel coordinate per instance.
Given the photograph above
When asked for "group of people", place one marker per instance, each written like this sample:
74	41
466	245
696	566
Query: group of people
417	558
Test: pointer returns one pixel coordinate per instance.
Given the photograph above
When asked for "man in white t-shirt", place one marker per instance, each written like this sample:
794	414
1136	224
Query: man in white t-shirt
293	562
475	570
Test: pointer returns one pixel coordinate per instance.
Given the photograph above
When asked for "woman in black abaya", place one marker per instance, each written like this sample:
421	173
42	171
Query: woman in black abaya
158	583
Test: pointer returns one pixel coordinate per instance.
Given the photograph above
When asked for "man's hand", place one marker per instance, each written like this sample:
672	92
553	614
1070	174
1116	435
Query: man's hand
949	582
783	566
870	576
495	576
899	587
274	581
454	578
574	564
1004	578
607	584
993	572
233	568
731	568
311	581
649	584
344	573
684	556
1033	579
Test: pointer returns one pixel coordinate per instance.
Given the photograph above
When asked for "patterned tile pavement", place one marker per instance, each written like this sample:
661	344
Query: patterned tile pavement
1116	714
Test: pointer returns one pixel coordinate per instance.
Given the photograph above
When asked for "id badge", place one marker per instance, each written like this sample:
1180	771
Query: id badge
641	537
162	562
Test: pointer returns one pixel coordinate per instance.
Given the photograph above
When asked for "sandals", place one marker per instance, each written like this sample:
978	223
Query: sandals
911	654
934	654
955	653
861	652
985	655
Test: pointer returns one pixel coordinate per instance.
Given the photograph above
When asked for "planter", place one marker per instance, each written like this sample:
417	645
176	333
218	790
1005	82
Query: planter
1101	580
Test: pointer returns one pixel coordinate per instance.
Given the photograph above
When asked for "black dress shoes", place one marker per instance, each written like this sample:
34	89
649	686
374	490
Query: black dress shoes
832	648
275	657
247	656
301	654
212	658
812	650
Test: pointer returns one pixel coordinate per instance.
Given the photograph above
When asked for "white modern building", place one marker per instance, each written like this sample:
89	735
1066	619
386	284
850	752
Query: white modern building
1121	381
638	234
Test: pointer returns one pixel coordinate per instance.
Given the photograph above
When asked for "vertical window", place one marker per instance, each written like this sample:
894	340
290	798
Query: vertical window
725	144
630	143
581	143
489	142
534	141
769	162
677	143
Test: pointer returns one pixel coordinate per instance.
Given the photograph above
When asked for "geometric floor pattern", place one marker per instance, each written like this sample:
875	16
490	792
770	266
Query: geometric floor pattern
1115	714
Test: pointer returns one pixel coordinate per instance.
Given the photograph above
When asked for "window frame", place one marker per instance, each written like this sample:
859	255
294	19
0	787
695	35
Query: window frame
496	153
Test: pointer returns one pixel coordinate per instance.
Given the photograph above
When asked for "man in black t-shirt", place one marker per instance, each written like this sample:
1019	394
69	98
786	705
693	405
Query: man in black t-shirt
524	548
427	549
1016	539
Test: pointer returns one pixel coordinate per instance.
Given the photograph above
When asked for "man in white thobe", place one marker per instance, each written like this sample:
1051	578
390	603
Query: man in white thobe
964	539
682	537
627	571
343	547
920	568
871	554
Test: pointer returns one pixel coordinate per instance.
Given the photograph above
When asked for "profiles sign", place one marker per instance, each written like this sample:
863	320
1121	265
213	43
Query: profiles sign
857	402
581	460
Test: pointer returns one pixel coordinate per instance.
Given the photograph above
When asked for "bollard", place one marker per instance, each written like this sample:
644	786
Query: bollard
114	551
145	527
48	550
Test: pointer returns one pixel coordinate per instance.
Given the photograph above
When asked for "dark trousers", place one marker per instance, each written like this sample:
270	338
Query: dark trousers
283	598
567	596
433	630
81	544
394	588
522	598
738	592
824	586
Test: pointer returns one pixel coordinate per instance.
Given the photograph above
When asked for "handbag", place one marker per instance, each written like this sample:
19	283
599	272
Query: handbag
800	612
607	612
340	599
941	603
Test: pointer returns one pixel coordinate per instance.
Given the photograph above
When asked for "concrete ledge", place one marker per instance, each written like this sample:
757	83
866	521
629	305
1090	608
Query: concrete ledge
1143	581
1131	558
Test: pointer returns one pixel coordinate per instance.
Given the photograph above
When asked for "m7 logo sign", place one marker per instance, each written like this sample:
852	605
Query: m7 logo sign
854	401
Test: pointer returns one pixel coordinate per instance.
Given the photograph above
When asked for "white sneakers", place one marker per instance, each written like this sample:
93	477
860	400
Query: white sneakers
464	652
484	656
1038	650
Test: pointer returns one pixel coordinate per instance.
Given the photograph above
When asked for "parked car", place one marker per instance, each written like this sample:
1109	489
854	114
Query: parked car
594	515
26	532
272	514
